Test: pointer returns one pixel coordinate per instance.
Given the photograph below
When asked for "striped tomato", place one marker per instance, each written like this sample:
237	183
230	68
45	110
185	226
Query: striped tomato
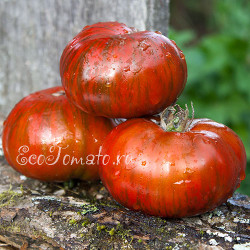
170	172
112	70
47	138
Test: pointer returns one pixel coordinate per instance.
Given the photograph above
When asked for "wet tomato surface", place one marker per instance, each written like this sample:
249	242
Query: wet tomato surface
173	174
112	70
47	138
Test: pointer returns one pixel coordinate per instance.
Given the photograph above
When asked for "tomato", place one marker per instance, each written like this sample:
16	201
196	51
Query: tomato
169	173
112	70
47	138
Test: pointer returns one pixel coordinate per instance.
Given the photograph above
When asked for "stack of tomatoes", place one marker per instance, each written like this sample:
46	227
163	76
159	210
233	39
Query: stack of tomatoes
166	165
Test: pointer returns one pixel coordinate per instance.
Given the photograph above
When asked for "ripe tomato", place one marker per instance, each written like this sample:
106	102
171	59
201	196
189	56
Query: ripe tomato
47	138
112	70
172	174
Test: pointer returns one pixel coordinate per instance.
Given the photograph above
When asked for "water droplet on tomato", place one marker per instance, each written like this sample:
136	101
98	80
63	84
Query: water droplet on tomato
188	171
158	32
59	93
182	182
78	141
135	68
144	163
115	56
182	55
163	45
108	84
179	182
144	45
168	55
173	42
126	68
206	141
117	174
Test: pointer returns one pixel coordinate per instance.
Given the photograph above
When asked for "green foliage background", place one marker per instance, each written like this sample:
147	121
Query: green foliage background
215	39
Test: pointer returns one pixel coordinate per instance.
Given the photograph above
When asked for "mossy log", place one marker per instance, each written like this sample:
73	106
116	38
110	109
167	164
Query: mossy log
80	215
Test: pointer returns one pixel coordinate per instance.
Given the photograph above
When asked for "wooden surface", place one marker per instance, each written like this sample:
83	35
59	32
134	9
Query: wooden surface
33	34
37	215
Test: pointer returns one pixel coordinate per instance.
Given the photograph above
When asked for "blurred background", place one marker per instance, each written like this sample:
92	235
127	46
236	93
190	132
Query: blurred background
215	38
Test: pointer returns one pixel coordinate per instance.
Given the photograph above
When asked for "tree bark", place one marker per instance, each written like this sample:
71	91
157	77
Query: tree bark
33	35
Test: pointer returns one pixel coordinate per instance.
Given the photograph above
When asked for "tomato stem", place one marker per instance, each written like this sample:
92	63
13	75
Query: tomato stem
174	118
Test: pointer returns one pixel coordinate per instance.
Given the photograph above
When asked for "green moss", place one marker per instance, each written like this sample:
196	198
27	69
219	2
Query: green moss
112	231
100	227
72	222
69	184
85	223
9	197
107	204
89	208
124	233
19	227
12	228
201	232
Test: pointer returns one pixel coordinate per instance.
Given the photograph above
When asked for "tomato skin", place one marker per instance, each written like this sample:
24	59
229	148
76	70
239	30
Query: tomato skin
172	174
43	122
110	70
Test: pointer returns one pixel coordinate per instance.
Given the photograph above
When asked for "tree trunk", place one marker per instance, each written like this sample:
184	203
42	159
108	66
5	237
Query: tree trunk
34	33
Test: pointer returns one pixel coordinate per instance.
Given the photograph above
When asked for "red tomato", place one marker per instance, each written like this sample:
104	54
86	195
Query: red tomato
172	174
47	138
112	70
